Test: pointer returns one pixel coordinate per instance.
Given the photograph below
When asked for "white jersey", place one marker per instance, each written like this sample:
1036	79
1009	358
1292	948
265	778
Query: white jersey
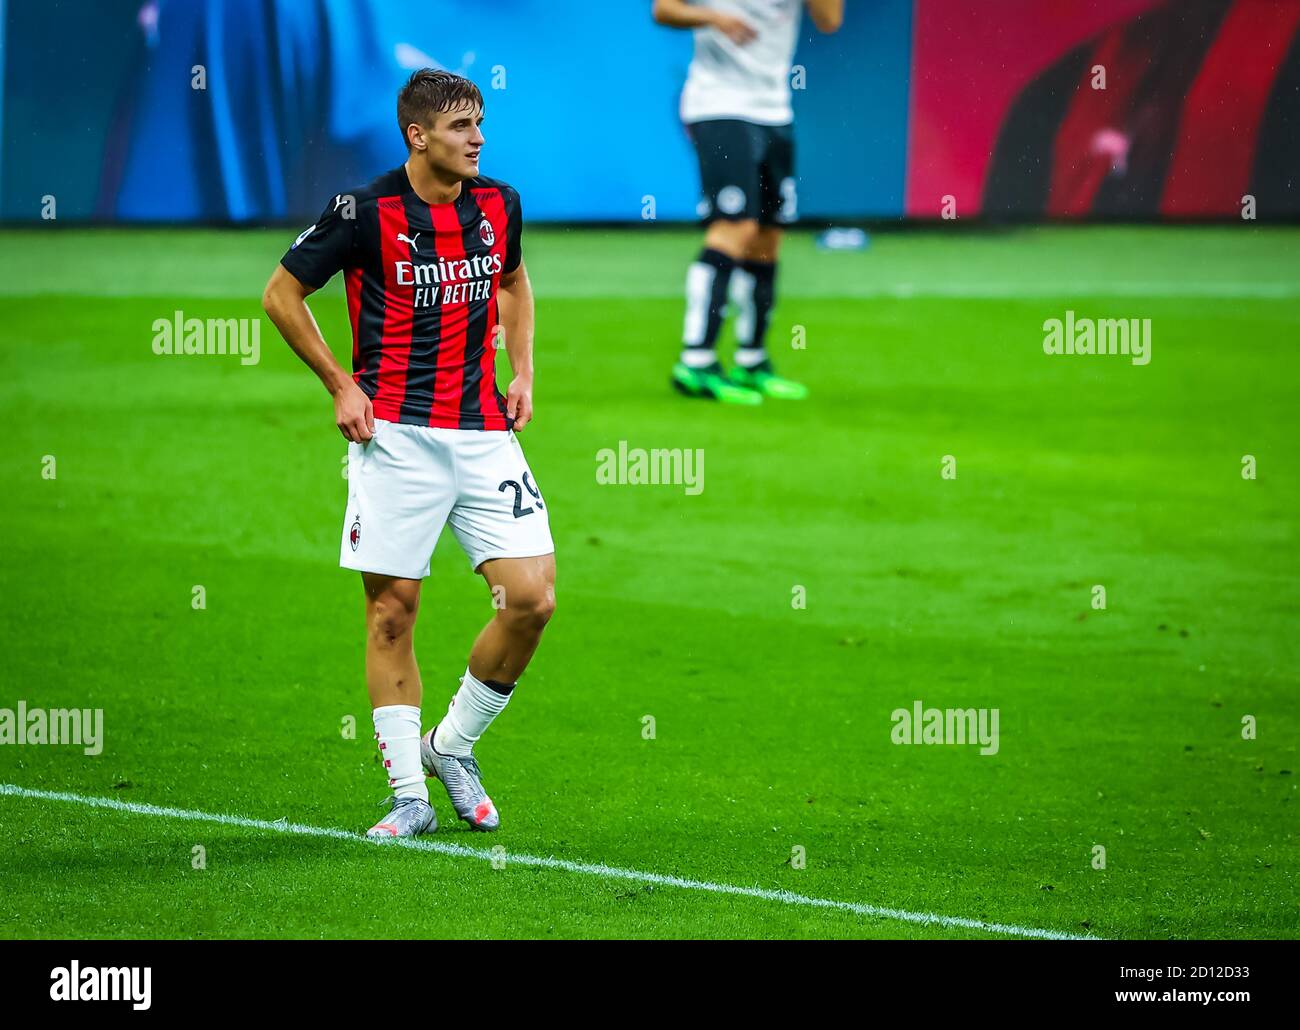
751	81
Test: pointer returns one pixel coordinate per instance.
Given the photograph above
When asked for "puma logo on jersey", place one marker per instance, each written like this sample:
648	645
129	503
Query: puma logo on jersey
403	238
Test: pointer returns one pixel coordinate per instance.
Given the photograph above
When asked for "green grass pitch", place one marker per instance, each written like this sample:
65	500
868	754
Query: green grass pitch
1120	728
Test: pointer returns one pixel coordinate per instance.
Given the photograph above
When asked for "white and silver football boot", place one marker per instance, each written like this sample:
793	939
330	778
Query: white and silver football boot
464	784
407	817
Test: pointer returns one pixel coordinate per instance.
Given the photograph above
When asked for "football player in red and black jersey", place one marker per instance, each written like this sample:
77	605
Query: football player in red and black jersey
431	259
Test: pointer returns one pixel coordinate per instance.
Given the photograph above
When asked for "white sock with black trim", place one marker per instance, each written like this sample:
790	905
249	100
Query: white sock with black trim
706	305
471	712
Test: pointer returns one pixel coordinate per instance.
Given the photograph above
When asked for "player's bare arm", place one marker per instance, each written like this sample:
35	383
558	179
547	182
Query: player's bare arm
285	302
516	303
827	15
678	14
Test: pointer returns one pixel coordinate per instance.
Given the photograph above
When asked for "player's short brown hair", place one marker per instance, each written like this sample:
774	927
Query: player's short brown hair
429	92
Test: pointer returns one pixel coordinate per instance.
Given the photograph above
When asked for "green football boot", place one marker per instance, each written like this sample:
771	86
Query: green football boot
762	379
712	383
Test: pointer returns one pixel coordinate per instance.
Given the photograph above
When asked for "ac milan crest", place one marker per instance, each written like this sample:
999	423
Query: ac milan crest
355	534
486	234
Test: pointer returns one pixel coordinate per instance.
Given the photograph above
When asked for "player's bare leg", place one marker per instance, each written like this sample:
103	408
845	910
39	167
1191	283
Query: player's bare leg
753	292
392	677
393	680
765	245
525	588
698	373
735	238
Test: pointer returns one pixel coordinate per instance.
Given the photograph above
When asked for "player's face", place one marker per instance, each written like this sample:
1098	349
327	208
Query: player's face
454	141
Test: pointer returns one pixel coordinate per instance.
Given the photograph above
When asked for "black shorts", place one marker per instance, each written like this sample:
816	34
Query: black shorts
746	170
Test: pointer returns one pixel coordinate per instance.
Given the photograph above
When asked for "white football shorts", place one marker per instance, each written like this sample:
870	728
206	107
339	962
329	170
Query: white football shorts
406	482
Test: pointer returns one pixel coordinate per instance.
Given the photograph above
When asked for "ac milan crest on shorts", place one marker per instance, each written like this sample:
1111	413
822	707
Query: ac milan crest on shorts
407	482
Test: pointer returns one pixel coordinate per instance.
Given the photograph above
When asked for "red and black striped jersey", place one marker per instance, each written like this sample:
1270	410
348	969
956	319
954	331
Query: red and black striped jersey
422	294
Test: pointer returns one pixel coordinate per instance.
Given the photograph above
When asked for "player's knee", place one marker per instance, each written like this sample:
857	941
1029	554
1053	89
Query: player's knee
766	244
531	612
733	237
748	234
390	622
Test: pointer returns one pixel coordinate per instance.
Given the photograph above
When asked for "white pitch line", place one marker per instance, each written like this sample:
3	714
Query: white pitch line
586	868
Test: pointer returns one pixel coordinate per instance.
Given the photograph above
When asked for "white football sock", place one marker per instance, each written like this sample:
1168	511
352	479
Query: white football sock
699	292
470	713
699	357
741	295
397	728
706	303
748	357
753	291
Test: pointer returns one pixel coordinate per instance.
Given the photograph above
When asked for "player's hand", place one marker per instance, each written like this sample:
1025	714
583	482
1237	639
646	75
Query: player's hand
735	29
354	414
519	401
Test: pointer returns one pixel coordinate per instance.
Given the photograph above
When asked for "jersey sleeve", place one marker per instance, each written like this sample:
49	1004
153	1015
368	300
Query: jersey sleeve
324	247
514	230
